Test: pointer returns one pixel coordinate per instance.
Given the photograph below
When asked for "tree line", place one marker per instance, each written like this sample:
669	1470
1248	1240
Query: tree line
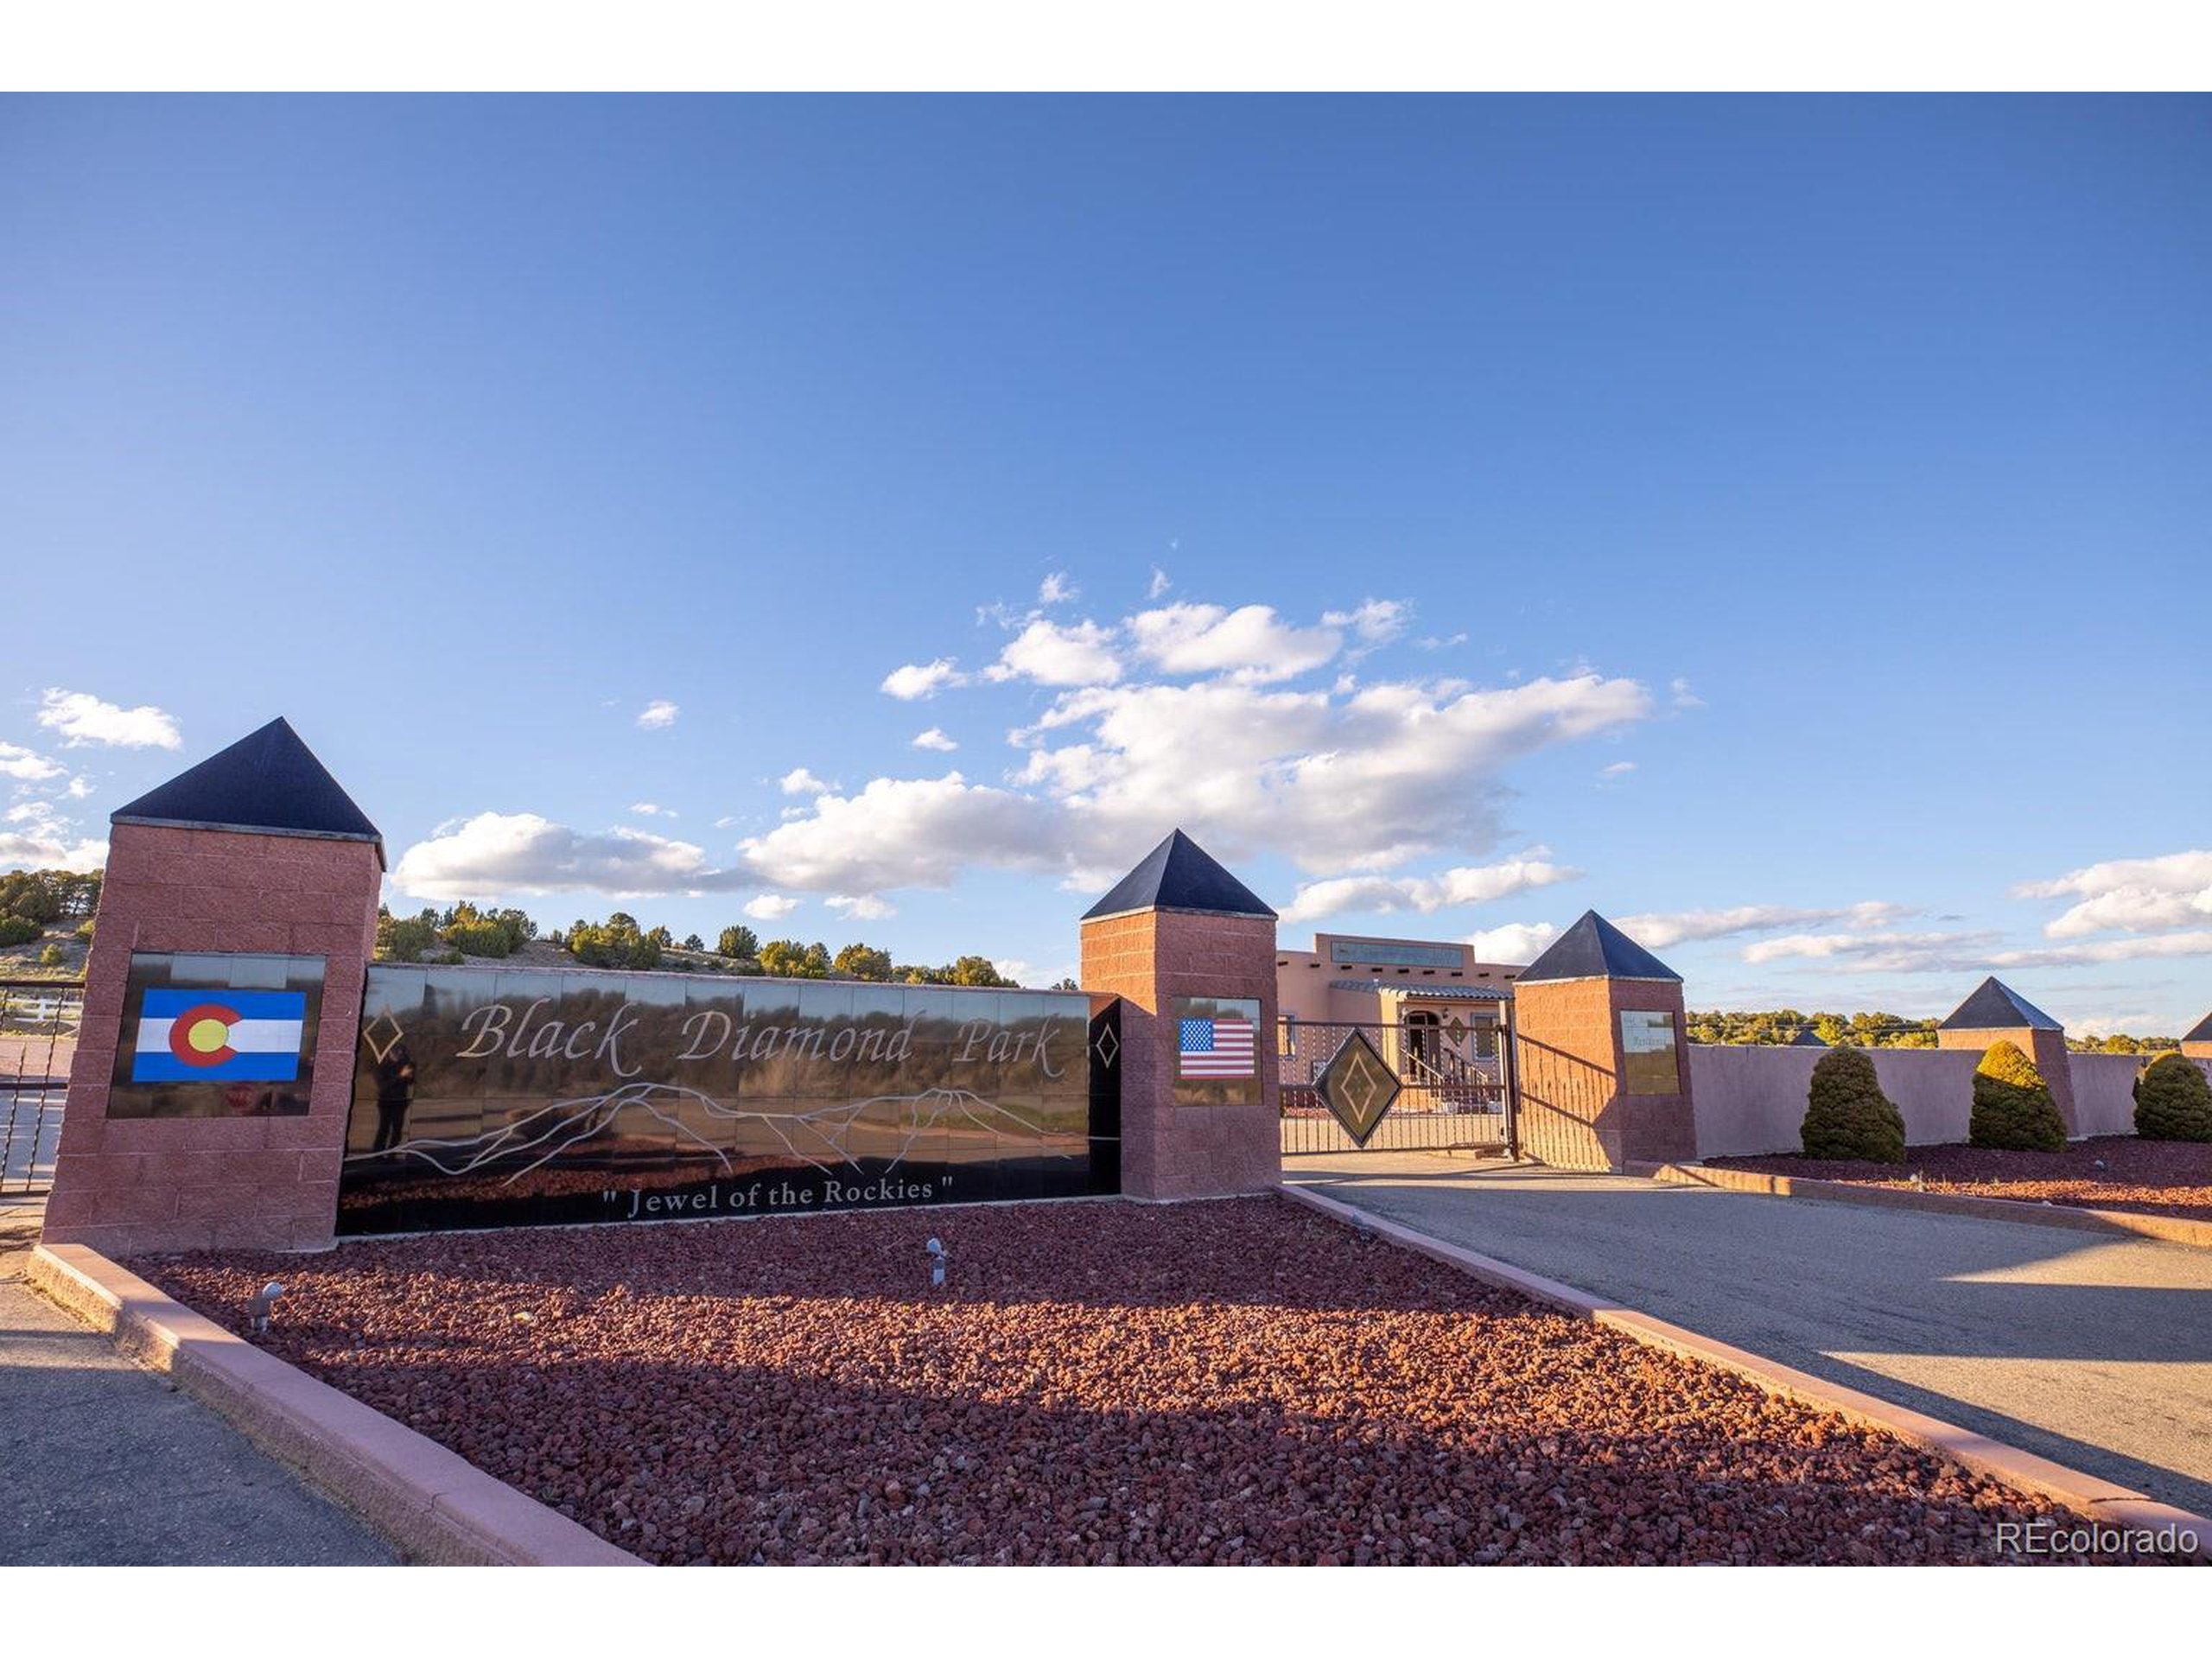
1872	1030
463	931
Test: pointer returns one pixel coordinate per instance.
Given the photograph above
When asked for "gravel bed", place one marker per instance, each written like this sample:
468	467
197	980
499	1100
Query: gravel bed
1228	1382
2157	1178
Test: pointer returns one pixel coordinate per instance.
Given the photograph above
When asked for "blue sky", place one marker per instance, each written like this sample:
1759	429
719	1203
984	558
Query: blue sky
1779	521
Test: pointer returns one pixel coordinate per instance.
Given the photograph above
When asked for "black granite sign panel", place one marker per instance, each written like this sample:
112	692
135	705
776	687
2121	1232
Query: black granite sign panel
487	1097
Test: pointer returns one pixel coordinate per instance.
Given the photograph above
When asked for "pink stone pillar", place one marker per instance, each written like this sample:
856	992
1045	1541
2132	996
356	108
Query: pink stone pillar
225	882
1180	926
1603	1054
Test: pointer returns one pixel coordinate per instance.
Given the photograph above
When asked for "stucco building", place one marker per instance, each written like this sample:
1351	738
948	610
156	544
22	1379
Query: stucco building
1451	1007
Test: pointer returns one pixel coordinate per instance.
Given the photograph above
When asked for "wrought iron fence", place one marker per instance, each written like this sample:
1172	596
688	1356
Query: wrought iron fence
1410	1086
38	1040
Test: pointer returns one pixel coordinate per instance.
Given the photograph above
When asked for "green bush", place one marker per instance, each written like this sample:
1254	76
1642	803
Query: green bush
2012	1107
1846	1114
2173	1101
480	938
19	929
51	957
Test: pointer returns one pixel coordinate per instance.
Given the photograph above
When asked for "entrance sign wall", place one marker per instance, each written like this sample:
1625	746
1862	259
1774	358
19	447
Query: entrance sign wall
496	1097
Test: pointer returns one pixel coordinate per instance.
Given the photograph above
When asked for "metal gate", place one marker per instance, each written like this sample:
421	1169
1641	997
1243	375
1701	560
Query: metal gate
38	1039
1394	1087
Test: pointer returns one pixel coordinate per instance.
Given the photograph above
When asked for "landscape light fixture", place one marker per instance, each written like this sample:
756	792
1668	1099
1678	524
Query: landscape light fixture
265	1304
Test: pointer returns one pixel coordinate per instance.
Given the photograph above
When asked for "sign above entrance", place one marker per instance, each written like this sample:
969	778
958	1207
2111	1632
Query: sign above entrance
1383	953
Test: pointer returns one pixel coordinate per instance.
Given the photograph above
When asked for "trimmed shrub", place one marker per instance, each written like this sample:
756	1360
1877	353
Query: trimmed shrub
2012	1107
2173	1101
1846	1114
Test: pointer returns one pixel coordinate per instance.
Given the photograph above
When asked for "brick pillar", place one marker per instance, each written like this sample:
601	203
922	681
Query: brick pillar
1179	1140
2045	1048
128	1184
1586	1098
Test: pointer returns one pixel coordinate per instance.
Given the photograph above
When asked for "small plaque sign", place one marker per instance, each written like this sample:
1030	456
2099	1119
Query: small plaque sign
1648	1053
1217	1049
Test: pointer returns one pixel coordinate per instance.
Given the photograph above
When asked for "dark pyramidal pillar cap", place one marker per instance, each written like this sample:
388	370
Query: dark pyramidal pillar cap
1594	948
1180	874
1996	1005
268	783
2203	1032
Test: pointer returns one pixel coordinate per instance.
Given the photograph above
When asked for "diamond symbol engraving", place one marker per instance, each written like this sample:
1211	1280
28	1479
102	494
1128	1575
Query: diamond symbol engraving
1108	1044
382	1034
1357	1088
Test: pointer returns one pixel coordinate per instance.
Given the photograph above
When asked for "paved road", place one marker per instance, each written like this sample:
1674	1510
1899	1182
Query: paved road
103	1464
2095	1352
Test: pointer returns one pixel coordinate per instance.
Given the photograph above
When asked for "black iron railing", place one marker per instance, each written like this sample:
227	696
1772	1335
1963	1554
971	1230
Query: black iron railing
38	1040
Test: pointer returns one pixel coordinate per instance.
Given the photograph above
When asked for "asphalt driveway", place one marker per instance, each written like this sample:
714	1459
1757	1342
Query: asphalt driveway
2092	1352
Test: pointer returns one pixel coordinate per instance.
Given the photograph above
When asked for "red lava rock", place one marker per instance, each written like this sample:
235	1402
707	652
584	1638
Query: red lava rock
2155	1178
1230	1382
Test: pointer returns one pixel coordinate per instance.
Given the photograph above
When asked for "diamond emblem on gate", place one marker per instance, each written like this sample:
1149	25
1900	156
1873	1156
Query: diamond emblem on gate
382	1034
1357	1087
1456	1029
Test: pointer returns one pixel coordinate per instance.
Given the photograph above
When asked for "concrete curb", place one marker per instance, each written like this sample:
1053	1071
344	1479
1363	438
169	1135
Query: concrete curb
436	1505
2171	1229
2098	1500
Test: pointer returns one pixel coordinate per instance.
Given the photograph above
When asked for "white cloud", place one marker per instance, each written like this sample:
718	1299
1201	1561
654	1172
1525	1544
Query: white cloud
45	840
1516	942
1467	884
650	809
799	781
1158	585
2135	896
1657	930
26	766
1680	697
79	787
1883	951
916	832
1618	769
1056	589
1373	621
860	907
919	680
497	853
82	718
1250	643
771	907
657	715
1358	781
1441	642
934	739
1080	653
2152	947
